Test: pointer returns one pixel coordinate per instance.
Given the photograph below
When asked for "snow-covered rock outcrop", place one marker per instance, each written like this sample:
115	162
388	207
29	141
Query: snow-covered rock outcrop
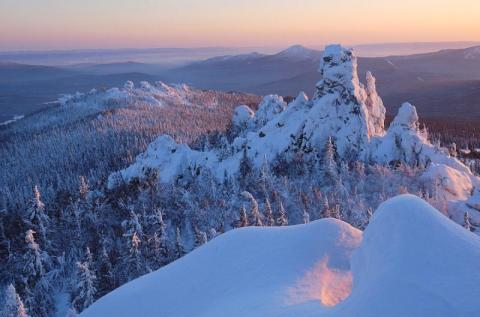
344	109
406	264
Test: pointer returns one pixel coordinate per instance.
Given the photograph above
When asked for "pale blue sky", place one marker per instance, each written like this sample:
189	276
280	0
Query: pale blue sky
49	24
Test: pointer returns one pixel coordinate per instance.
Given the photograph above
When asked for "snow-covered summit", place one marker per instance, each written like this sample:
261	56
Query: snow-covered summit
298	52
406	264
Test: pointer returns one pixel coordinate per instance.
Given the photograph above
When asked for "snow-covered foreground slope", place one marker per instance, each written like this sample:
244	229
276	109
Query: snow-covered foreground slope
413	261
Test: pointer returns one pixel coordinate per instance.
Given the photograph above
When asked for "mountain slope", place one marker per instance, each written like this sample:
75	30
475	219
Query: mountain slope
244	71
401	268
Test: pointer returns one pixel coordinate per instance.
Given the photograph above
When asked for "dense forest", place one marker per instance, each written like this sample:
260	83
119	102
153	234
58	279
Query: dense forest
64	234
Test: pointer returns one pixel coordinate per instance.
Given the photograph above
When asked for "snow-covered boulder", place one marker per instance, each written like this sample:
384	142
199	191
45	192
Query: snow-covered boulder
243	117
165	155
407	264
270	106
455	184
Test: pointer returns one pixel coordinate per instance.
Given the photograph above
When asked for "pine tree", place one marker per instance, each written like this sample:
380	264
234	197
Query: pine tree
243	221
105	273
85	287
83	188
466	221
179	248
134	259
329	168
245	170
200	237
326	209
255	217
33	260
13	305
335	212
282	219
268	214
36	218
306	216
132	225
37	288
162	237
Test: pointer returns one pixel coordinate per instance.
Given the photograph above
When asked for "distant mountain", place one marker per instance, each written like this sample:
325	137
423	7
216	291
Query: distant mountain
14	72
117	68
246	71
446	72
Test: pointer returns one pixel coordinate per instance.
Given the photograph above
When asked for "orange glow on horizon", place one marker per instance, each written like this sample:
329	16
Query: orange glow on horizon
190	23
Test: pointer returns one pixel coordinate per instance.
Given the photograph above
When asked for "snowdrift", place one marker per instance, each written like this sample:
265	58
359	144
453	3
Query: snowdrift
412	261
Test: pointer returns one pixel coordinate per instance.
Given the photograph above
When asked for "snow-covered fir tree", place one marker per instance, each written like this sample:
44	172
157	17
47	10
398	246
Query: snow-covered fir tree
85	286
282	219
12	304
268	214
36	216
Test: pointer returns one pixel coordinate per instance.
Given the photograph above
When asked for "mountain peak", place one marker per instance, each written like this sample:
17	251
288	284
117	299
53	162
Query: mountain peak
299	52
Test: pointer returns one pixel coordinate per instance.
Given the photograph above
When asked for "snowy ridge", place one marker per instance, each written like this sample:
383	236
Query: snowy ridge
159	94
406	264
343	108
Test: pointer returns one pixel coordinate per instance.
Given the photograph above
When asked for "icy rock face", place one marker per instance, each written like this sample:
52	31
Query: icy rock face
375	107
351	113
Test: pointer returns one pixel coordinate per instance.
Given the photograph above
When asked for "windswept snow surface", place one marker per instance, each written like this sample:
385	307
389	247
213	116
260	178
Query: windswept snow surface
412	261
251	271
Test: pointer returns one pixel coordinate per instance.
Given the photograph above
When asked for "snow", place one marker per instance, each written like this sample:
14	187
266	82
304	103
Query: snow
298	52
474	200
254	271
243	117
454	183
270	106
159	94
343	108
15	118
406	264
414	261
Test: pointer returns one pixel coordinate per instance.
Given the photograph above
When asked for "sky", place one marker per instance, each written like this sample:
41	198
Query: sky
70	24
